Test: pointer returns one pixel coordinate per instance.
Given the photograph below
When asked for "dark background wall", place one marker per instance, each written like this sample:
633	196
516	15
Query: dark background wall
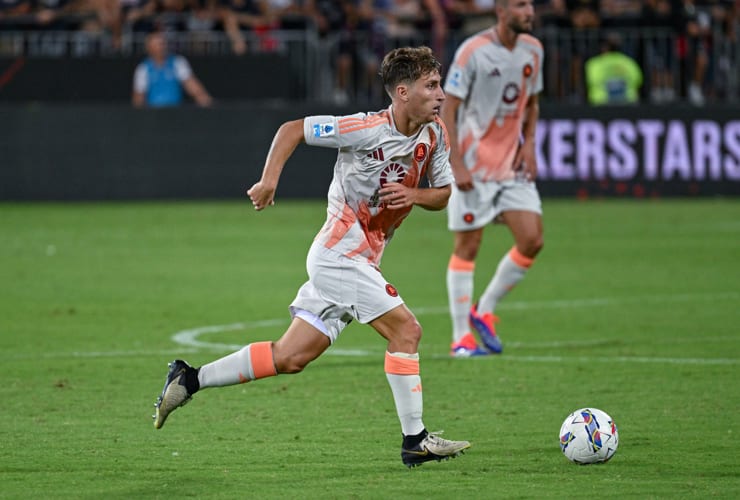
109	79
108	152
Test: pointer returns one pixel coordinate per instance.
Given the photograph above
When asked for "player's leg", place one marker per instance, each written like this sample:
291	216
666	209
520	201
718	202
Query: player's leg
519	207
468	212
460	286
299	345
403	333
526	228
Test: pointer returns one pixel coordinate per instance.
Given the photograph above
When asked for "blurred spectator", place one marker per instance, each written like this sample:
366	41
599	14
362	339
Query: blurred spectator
137	15
72	15
288	14
15	14
613	77
584	20
474	15
660	26
252	15
159	81
552	13
395	23
620	13
338	22
694	46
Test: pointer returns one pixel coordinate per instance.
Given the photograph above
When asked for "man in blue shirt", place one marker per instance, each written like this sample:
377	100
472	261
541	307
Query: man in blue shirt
159	80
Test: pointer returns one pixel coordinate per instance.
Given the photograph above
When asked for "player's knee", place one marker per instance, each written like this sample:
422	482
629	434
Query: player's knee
411	333
537	244
468	250
532	246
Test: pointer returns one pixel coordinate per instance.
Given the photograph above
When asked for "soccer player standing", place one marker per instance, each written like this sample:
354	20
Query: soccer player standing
382	158
491	113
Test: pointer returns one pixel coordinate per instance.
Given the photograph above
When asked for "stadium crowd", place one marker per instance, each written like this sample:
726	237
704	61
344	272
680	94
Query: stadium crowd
686	48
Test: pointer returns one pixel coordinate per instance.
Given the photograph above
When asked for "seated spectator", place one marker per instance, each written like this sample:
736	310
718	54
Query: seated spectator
585	20
85	15
341	20
613	77
474	15
253	15
130	16
660	27
159	81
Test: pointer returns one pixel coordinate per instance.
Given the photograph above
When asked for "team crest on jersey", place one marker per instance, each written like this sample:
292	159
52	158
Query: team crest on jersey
393	172
420	152
527	71
323	130
469	218
391	290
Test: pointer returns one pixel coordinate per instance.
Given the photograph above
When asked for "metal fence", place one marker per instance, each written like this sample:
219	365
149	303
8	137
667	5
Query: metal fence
670	65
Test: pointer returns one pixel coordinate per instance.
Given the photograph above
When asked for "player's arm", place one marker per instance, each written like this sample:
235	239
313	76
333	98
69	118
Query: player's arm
395	195
287	138
138	94
197	91
463	179
526	159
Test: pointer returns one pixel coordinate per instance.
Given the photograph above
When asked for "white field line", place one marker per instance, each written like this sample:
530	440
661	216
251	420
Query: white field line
189	341
192	337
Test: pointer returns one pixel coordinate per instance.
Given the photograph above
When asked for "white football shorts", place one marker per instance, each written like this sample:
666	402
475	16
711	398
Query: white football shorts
473	209
340	289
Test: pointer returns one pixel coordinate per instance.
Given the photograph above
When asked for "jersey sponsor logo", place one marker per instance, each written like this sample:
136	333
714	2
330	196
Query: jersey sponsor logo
468	218
323	130
511	93
392	172
420	152
454	78
527	71
391	290
495	72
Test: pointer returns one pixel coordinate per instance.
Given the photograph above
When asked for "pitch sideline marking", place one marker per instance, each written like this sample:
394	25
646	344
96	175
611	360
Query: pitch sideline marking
191	337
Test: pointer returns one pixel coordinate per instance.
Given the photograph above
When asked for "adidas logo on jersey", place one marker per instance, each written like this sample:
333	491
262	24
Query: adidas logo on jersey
377	154
495	72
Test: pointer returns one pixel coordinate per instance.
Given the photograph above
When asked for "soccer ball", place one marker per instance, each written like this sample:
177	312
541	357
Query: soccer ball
589	436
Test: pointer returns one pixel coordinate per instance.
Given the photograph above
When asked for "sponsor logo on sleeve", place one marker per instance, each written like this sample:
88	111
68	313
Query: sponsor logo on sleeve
323	130
455	76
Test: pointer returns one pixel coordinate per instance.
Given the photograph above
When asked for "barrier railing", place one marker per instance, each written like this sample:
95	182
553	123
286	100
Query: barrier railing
670	65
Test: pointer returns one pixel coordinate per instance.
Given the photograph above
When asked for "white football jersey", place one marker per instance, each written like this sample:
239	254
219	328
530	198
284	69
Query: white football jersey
494	84
371	153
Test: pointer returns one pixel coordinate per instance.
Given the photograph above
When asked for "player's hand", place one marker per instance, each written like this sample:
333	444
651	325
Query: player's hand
261	195
525	164
396	195
463	179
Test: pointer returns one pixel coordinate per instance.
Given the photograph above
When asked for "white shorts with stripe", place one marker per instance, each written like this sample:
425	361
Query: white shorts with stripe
468	210
340	289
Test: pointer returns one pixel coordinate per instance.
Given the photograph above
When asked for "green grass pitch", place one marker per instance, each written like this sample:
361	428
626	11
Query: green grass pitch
633	307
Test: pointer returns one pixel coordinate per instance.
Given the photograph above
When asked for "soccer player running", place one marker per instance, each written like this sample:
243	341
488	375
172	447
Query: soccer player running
491	112
382	158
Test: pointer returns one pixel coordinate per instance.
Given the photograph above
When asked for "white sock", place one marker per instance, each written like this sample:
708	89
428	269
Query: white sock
459	294
508	274
249	363
406	388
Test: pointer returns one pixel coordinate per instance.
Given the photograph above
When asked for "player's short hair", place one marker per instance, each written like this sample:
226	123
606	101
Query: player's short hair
406	65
